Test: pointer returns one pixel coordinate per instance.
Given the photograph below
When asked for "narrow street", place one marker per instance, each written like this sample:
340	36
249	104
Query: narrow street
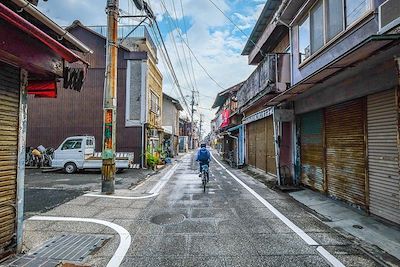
236	222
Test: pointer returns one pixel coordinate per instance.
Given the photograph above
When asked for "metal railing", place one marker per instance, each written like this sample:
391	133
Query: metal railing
140	32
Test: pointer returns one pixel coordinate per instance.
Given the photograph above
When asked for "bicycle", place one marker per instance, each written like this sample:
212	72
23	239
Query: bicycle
204	176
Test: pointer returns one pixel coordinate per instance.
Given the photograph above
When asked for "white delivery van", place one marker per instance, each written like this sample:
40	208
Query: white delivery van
78	153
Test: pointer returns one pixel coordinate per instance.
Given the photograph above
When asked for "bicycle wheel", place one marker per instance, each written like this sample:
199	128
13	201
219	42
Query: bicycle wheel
204	181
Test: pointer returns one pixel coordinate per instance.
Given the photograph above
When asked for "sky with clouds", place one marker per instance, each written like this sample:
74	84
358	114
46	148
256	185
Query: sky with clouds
215	41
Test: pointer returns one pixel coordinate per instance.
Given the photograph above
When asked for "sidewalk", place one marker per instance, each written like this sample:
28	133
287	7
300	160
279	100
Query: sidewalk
349	220
93	229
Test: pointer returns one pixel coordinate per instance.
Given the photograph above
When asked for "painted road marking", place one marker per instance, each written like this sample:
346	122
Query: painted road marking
124	236
153	192
328	256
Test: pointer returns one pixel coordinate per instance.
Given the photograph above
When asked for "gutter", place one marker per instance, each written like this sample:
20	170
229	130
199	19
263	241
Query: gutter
33	11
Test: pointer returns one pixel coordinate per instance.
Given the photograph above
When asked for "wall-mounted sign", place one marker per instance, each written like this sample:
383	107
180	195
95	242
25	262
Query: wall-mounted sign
73	78
258	115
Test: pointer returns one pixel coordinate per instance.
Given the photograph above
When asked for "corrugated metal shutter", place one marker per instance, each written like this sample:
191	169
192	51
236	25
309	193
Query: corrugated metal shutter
344	128
311	150
261	145
251	148
270	143
9	108
383	160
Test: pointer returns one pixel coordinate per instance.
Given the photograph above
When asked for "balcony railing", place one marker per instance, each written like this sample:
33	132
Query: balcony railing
271	76
140	32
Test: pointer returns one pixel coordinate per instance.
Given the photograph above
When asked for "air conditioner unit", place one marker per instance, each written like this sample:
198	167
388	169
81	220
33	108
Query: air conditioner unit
389	15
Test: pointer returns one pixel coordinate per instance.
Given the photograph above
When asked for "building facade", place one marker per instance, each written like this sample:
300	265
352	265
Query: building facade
340	114
46	75
170	122
139	99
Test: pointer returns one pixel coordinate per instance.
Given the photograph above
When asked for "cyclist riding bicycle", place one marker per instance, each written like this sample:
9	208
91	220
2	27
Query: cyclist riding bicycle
203	157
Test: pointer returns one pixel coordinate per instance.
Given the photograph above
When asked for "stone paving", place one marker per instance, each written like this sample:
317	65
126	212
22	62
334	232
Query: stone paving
225	226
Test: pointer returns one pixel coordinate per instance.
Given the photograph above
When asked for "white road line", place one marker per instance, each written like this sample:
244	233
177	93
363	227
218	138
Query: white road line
329	257
124	236
153	192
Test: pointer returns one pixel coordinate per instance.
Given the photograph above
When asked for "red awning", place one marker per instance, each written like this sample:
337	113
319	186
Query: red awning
27	27
42	88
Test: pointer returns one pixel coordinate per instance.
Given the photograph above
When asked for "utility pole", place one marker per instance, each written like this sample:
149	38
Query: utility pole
110	100
201	126
191	121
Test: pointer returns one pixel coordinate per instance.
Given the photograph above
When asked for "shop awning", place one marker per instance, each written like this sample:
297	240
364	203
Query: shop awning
30	29
359	53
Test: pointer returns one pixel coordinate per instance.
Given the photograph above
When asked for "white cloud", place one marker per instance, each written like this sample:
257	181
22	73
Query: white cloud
213	39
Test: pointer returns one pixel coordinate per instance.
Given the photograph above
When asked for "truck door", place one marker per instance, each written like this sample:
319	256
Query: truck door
89	148
71	151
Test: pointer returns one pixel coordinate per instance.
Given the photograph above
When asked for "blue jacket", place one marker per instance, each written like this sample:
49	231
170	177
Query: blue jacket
202	149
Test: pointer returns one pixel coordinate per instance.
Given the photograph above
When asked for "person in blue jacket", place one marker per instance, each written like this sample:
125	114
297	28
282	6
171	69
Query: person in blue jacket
203	156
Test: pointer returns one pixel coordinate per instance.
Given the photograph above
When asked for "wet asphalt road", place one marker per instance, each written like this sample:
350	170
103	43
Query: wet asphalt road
183	226
228	226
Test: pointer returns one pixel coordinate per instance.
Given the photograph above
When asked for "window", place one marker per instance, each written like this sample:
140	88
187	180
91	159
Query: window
334	18
304	39
72	144
89	142
317	27
325	20
355	9
154	104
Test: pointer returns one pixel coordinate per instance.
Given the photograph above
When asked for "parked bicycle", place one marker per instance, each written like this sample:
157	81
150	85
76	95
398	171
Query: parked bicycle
205	176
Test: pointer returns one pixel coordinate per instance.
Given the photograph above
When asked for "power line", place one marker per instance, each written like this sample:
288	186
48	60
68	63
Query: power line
236	26
191	51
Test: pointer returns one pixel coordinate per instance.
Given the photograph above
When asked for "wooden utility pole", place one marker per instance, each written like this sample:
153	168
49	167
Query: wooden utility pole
110	100
191	121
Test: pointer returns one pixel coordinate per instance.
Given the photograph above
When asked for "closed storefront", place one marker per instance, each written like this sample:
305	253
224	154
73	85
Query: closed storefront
261	145
345	151
311	150
383	168
9	110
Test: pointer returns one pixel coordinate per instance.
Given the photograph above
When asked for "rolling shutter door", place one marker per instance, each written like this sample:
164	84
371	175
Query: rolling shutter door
261	145
251	138
384	180
345	153
311	150
9	110
270	143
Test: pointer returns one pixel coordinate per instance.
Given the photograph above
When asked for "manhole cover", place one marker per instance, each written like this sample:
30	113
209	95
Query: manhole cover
168	218
70	247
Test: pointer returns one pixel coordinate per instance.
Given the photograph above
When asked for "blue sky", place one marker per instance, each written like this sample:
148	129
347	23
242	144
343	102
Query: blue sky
214	40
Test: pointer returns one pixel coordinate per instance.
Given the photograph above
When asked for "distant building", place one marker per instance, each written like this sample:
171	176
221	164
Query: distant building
139	99
170	122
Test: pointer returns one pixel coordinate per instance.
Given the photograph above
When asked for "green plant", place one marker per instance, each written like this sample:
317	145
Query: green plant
151	160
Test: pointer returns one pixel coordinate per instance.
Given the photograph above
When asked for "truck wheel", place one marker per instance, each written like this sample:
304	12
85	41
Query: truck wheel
119	170
70	167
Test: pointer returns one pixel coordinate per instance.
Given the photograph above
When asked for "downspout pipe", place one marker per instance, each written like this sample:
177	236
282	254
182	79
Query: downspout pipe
237	147
33	11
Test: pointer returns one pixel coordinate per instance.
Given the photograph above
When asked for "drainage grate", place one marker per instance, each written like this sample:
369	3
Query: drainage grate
168	218
73	248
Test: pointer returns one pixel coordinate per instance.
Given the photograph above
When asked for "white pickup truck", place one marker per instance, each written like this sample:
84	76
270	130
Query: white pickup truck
77	153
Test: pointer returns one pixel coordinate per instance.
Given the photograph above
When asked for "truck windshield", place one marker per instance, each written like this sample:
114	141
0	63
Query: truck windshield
72	144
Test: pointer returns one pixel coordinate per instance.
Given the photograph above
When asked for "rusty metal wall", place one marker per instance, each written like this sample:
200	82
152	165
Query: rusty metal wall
9	110
251	144
270	146
261	145
383	160
312	150
345	151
